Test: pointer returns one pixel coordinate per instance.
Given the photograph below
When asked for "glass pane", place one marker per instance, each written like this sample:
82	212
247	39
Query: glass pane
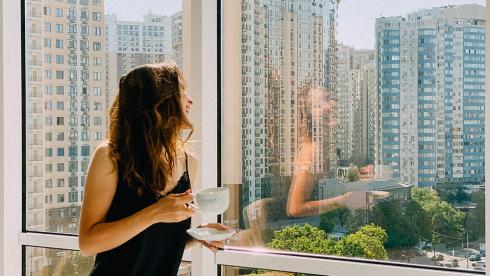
76	52
236	271
47	261
361	134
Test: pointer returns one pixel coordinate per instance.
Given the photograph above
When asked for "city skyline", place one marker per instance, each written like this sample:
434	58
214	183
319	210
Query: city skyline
414	106
358	33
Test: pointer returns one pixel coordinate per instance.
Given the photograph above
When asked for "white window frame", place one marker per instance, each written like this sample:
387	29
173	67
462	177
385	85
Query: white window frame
200	67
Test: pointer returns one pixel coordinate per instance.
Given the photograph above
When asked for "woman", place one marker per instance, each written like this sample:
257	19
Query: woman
136	206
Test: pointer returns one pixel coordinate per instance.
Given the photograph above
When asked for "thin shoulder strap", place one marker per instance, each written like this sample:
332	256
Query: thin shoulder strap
186	165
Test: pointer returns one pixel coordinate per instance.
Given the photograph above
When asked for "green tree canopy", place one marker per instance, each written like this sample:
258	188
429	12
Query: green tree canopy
367	242
406	223
447	221
302	239
353	173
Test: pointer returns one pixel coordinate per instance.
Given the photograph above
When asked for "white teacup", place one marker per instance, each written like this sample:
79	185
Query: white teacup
212	200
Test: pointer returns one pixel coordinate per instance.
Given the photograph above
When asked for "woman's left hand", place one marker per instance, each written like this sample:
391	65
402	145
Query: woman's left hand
213	245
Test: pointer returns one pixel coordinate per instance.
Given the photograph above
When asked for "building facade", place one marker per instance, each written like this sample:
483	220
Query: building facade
65	114
288	50
133	43
431	77
355	90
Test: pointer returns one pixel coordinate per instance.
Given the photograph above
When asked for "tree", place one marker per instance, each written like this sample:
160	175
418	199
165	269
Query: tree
302	239
353	173
359	218
476	217
447	222
406	223
367	242
338	216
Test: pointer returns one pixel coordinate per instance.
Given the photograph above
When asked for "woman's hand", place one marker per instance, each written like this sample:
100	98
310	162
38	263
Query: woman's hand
362	199
173	208
213	245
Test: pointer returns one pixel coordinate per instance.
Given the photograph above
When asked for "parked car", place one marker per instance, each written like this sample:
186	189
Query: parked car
475	257
480	265
451	263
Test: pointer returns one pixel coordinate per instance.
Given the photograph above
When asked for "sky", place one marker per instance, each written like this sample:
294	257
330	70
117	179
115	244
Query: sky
356	17
134	9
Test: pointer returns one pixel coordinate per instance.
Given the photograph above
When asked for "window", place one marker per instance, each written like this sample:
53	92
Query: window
48	121
73	197
60	90
311	139
48	74
97	106
96	16
59	28
97	91
49	152
60	121
60	167
96	46
49	183
290	54
59	59
96	31
59	43
97	121
85	151
97	61
47	11
97	76
60	152
59	12
47	43
47	27
60	198
47	58
60	182
59	75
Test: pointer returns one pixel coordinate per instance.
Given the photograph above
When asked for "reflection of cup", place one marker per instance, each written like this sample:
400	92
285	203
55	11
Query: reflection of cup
213	200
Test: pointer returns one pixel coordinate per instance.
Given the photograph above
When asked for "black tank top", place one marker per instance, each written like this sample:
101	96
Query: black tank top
157	250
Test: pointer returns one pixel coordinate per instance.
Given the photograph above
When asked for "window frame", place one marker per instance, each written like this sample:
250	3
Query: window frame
203	58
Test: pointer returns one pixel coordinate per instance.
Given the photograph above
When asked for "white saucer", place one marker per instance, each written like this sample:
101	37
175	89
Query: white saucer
210	234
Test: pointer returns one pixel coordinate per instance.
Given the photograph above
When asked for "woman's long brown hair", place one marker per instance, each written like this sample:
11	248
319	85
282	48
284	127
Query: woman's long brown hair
145	120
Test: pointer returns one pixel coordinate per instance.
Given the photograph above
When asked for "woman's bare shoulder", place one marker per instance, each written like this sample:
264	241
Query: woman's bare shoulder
103	157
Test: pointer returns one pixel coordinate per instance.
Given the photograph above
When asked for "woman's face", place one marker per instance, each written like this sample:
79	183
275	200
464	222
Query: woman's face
185	103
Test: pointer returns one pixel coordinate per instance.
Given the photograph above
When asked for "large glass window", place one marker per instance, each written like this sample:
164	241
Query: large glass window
361	133
78	118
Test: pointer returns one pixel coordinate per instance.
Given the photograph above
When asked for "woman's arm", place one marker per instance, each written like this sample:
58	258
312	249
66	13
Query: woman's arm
301	188
96	235
299	206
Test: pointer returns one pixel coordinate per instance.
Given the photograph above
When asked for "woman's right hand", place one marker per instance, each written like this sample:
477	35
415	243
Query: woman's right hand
172	208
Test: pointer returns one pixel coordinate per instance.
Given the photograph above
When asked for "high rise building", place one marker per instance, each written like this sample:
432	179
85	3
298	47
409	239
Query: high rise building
287	52
431	75
177	38
354	91
65	107
133	43
65	98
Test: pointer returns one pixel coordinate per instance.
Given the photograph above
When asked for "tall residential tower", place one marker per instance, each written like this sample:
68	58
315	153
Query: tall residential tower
431	74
